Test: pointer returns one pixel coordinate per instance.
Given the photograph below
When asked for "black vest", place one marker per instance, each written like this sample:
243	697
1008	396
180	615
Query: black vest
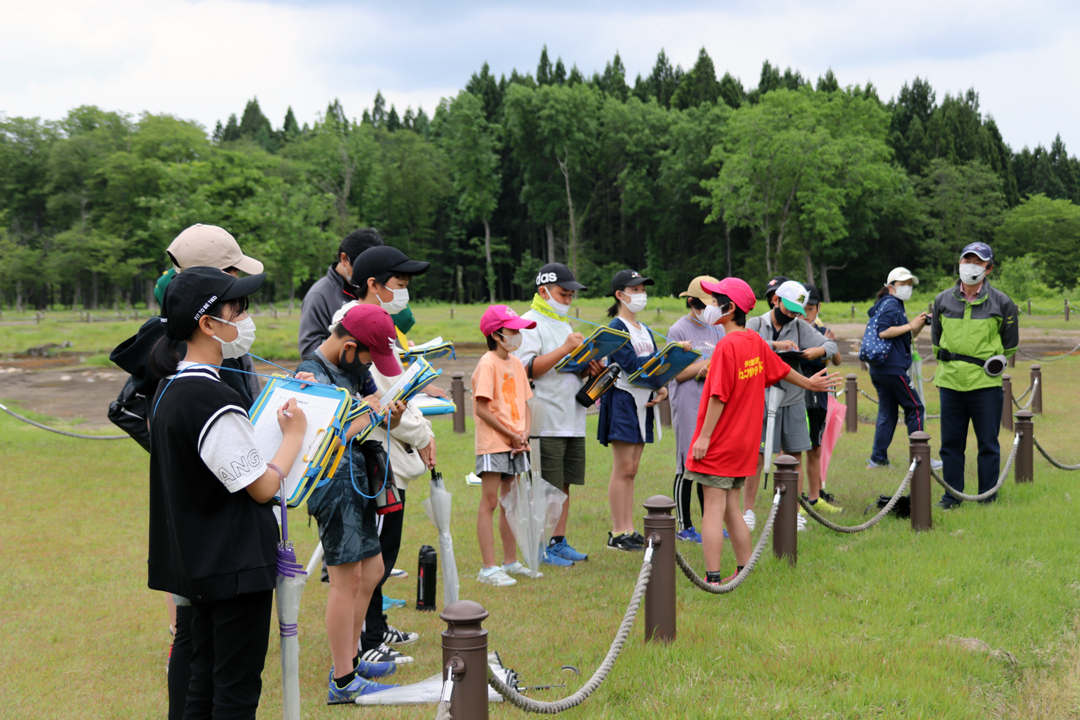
206	543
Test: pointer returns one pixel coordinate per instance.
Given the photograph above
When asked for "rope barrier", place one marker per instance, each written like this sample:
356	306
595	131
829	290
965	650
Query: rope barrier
872	521
738	579
871	399
1052	461
527	704
80	436
1030	399
982	496
1048	359
443	711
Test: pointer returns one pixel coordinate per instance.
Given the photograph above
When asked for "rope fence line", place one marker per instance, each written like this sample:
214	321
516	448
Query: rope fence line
872	521
992	491
1031	387
1049	359
528	704
1052	461
754	557
80	436
868	397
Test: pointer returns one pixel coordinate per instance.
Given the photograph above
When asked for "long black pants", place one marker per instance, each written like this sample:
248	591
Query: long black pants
229	642
390	541
180	663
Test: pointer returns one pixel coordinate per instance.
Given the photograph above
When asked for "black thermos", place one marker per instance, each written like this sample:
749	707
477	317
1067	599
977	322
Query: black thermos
425	581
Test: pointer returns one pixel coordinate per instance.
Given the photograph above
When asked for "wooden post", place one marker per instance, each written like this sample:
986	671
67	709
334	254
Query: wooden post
1029	308
457	393
786	525
1006	402
852	402
1066	309
465	649
921	519
1036	400
660	592
1024	469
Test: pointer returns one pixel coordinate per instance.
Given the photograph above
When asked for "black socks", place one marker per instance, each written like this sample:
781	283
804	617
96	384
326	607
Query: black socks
343	682
556	539
712	577
738	568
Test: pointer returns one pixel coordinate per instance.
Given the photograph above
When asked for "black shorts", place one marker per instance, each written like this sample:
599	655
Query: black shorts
815	418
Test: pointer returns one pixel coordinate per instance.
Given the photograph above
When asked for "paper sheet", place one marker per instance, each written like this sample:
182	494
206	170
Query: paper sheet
320	412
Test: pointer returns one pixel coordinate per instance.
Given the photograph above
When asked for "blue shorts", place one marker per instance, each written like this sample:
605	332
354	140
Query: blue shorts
619	420
346	519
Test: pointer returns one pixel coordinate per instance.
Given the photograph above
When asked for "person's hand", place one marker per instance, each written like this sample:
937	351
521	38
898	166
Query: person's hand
701	446
659	397
918	323
686	345
305	377
813	353
291	419
396	411
784	345
572	342
823	382
595	368
412	344
373	402
517	443
704	371
436	392
830	335
427	454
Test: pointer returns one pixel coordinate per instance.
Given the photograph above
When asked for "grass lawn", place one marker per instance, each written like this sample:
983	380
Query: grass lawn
885	623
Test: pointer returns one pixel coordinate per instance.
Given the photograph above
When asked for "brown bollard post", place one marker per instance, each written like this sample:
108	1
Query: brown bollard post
1066	309
785	542
665	412
464	652
1036	400
851	393
919	447
1024	467
1006	402
660	592
457	392
1012	360
1029	308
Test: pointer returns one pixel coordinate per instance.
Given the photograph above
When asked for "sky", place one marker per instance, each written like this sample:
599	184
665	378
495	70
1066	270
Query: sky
202	60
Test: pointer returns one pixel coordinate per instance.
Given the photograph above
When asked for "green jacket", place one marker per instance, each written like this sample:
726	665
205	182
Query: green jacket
986	327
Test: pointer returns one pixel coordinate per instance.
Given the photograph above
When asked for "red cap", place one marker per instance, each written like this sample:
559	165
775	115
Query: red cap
500	316
740	293
372	326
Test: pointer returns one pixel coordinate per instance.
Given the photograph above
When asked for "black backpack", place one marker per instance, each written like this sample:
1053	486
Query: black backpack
128	412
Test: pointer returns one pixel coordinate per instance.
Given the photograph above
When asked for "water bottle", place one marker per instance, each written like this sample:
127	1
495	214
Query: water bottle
589	394
427	568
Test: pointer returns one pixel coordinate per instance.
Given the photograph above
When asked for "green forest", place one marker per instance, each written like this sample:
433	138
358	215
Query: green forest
674	174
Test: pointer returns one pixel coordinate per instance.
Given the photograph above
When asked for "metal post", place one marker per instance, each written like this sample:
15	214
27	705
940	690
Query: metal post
919	446
1029	308
464	652
451	312
851	392
1024	467
852	312
1006	402
1012	360
1036	400
1066	309
786	526
457	392
660	592
665	412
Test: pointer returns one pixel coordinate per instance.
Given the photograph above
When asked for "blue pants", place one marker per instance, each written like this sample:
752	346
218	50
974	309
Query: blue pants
894	391
983	409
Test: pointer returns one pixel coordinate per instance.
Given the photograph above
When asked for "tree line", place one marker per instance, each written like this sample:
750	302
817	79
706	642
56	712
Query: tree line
679	173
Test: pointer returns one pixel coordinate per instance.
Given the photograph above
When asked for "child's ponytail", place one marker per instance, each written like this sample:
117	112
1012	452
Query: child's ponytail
164	358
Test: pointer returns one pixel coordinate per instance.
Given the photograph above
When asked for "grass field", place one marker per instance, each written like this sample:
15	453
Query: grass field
459	324
975	619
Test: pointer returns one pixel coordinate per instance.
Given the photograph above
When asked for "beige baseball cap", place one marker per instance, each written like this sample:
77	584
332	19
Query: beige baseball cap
899	274
695	289
212	246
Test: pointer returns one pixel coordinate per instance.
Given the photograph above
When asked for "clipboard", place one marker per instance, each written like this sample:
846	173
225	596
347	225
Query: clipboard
410	383
603	342
662	367
431	350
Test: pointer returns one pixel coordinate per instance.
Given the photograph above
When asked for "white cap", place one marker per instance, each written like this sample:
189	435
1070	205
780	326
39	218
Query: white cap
901	273
212	246
794	296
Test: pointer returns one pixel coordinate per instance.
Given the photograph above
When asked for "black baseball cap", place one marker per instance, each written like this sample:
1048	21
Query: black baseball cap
376	261
194	291
813	296
560	275
628	278
770	287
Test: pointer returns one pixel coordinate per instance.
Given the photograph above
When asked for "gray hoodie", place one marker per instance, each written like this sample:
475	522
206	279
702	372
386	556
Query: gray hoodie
324	299
804	337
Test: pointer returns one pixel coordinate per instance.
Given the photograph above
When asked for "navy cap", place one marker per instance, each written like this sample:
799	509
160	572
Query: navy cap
813	296
628	278
770	287
979	248
560	275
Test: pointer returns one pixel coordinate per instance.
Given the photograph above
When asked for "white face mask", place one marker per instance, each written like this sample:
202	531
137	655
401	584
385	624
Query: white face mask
903	292
711	315
245	338
511	342
637	302
971	274
401	299
557	306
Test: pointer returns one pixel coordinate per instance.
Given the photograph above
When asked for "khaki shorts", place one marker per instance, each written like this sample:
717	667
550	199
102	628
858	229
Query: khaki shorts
562	460
716	481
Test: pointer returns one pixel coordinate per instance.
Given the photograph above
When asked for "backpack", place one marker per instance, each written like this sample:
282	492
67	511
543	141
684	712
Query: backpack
874	350
128	412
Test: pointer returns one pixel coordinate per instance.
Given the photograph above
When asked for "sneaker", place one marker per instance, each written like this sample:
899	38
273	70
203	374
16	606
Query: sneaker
729	578
562	549
348	694
946	503
750	519
391	603
495	576
690	535
936	464
638	538
871	465
801	526
827	496
550	558
623	542
384	654
393	636
518	568
824	506
399	573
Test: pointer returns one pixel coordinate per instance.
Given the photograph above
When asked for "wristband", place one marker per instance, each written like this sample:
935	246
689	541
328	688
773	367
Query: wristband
280	474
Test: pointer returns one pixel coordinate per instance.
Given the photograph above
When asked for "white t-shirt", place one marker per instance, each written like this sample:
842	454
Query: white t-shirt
563	416
640	339
227	443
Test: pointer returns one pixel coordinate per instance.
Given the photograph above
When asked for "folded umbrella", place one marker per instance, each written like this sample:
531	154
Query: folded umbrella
437	506
773	396
291	578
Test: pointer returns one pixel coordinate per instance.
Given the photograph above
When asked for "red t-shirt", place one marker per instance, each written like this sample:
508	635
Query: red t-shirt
742	366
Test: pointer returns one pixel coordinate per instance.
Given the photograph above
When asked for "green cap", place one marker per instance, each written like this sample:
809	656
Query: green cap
162	283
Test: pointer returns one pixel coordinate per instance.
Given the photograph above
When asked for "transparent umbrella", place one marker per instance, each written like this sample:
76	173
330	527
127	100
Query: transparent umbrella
773	396
290	586
437	507
532	506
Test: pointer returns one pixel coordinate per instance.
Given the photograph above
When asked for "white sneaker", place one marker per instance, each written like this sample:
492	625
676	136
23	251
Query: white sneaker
750	518
495	576
936	464
517	568
801	524
398	573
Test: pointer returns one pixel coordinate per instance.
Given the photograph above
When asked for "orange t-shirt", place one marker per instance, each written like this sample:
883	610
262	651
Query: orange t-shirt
505	385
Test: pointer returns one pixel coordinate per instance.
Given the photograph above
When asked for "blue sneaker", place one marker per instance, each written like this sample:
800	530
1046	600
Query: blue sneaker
562	549
550	558
391	603
690	535
348	694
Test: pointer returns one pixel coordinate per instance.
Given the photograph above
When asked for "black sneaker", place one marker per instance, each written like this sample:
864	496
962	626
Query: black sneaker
623	542
638	538
946	504
393	636
827	497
